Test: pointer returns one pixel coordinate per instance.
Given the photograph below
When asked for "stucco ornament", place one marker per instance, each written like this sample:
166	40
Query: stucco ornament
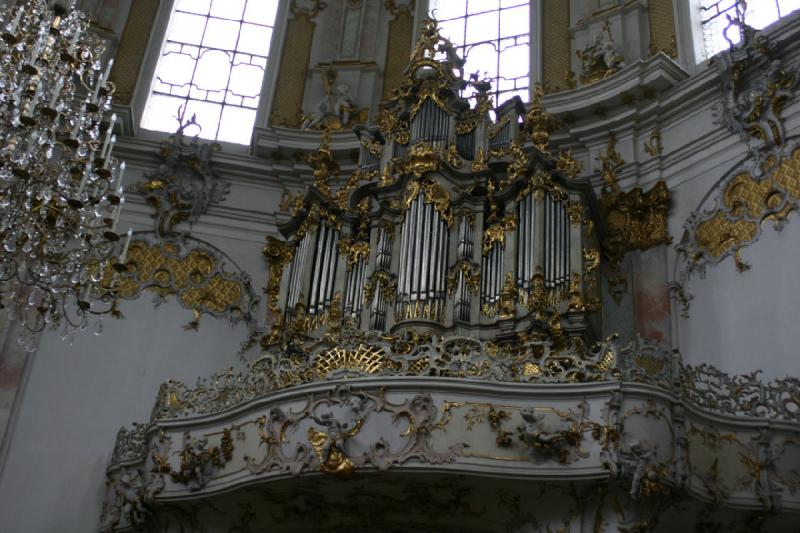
336	110
130	443
318	436
600	58
639	458
329	444
185	184
170	261
198	462
555	435
752	102
130	506
762	191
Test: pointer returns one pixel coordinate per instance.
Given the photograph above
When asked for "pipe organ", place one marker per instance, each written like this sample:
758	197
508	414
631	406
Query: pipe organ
451	222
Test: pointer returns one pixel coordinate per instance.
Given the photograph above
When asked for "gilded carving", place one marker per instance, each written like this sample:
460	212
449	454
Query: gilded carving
329	445
567	164
471	274
653	144
434	193
508	296
278	254
746	201
539	123
560	438
197	276
186	184
636	220
198	463
383	282
752	104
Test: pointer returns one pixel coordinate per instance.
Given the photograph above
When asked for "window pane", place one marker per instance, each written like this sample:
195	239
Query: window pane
479	6
212	62
505	96
787	6
162	112
236	124
207	116
514	62
483	58
482	27
514	21
193	6
246	80
228	9
221	34
453	30
186	28
447	9
254	39
175	68
213	70
261	11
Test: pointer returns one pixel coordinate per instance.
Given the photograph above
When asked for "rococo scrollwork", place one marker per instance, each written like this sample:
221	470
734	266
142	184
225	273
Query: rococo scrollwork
756	87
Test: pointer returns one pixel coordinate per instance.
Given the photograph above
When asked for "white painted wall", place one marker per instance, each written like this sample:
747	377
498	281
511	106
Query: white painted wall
748	321
77	397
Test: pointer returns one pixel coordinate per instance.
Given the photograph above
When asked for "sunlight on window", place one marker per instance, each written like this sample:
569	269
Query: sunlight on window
494	37
212	64
714	15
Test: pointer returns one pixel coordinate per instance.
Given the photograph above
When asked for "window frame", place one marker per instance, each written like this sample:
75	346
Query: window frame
147	72
691	23
534	43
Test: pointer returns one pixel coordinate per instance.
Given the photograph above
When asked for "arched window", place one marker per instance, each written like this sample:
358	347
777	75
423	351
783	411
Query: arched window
756	13
211	65
494	36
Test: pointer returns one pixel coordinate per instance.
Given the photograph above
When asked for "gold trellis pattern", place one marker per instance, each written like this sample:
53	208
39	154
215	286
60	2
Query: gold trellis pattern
662	27
132	47
196	279
556	45
747	203
364	358
287	105
401	33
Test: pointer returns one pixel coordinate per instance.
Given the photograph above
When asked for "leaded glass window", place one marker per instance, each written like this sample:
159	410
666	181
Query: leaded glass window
756	13
212	64
494	36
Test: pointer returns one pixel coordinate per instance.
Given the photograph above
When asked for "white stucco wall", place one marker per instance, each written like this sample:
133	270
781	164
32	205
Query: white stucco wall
76	398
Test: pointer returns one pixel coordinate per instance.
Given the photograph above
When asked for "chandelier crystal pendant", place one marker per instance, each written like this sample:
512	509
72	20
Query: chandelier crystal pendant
60	187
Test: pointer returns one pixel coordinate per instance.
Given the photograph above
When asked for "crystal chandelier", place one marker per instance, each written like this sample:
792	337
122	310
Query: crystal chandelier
60	187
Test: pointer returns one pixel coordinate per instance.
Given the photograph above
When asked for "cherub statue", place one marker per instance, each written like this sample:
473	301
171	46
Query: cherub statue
641	456
558	439
337	103
131	491
601	57
329	444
